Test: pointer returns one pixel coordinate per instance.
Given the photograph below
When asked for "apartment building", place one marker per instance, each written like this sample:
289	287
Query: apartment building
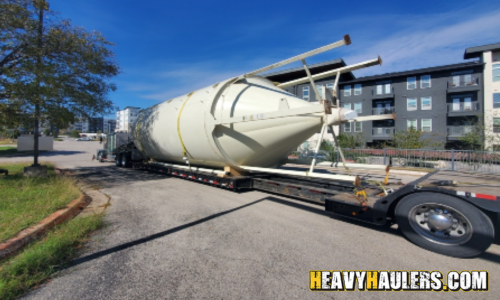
444	102
125	118
489	55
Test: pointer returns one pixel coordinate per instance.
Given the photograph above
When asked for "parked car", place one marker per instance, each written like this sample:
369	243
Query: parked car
85	138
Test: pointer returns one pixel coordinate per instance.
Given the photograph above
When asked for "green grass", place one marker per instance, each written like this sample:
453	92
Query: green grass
25	201
7	150
40	260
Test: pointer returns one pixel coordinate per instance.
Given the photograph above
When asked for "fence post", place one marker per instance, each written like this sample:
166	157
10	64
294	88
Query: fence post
453	159
385	157
338	156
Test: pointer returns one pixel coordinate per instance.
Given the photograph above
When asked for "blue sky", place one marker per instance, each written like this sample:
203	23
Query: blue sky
168	48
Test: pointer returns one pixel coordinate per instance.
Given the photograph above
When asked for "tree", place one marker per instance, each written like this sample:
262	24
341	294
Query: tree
351	141
478	136
413	139
50	71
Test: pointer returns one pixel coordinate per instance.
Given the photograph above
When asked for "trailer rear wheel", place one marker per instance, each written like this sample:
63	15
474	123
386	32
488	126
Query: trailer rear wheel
444	224
118	160
125	160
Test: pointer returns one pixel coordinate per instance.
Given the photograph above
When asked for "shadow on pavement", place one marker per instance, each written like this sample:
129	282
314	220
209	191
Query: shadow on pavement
45	153
107	176
157	235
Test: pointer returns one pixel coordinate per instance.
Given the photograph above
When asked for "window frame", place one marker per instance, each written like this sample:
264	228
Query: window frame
496	130
347	90
360	126
408	123
497	95
305	90
358	88
422	103
422	81
321	93
346	125
408	106
495	67
414	83
347	107
422	125
360	107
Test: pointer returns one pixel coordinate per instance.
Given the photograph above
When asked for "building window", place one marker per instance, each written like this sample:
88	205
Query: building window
411	123
496	100
426	125
358	127
425	81
347	106
357	89
411	83
426	103
305	93
496	72
347	90
320	92
347	127
387	88
383	88
496	124
358	107
411	104
329	86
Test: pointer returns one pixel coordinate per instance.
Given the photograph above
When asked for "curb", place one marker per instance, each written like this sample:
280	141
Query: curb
27	235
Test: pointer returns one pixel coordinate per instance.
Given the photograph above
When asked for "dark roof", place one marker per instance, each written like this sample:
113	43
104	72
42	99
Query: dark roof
299	72
473	52
417	71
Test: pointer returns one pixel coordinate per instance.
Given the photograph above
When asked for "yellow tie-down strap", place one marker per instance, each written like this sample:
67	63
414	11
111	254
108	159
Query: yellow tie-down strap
184	151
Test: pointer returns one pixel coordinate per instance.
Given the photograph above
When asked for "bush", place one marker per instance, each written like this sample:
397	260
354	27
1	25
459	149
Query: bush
75	134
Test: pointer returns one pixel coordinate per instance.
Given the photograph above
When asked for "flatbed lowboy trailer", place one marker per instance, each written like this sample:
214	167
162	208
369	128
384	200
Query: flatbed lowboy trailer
433	214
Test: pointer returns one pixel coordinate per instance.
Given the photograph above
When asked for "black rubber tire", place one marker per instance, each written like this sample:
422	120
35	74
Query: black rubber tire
118	160
125	160
99	157
482	228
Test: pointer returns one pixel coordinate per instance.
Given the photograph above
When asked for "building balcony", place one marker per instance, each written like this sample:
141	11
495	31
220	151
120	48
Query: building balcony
383	110
463	86
456	132
463	109
382	133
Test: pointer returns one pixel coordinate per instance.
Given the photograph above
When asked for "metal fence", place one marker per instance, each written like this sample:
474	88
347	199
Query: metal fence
454	160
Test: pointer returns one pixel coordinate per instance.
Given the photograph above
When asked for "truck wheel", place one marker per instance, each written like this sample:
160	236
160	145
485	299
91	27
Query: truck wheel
118	160
125	160
444	224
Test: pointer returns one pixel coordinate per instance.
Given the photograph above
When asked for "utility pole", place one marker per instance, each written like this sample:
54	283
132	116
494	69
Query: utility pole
41	5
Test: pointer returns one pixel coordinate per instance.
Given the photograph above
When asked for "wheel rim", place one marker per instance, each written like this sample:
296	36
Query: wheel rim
440	223
124	161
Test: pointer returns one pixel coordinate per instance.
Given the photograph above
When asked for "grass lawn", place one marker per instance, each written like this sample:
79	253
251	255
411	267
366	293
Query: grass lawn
6	150
40	260
25	201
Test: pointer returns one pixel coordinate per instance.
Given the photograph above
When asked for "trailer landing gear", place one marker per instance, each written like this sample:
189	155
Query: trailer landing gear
444	224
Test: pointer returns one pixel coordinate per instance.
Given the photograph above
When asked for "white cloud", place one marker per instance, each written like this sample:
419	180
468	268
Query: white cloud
440	40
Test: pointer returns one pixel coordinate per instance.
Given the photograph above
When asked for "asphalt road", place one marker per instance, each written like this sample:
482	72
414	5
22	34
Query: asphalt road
167	238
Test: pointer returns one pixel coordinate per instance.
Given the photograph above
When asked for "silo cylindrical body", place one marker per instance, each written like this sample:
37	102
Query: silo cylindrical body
189	126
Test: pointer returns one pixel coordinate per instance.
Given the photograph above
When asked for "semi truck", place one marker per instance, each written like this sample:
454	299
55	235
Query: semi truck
236	134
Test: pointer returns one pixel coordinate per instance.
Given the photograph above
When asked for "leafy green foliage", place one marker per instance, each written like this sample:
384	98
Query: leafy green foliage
50	71
75	134
351	141
413	139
